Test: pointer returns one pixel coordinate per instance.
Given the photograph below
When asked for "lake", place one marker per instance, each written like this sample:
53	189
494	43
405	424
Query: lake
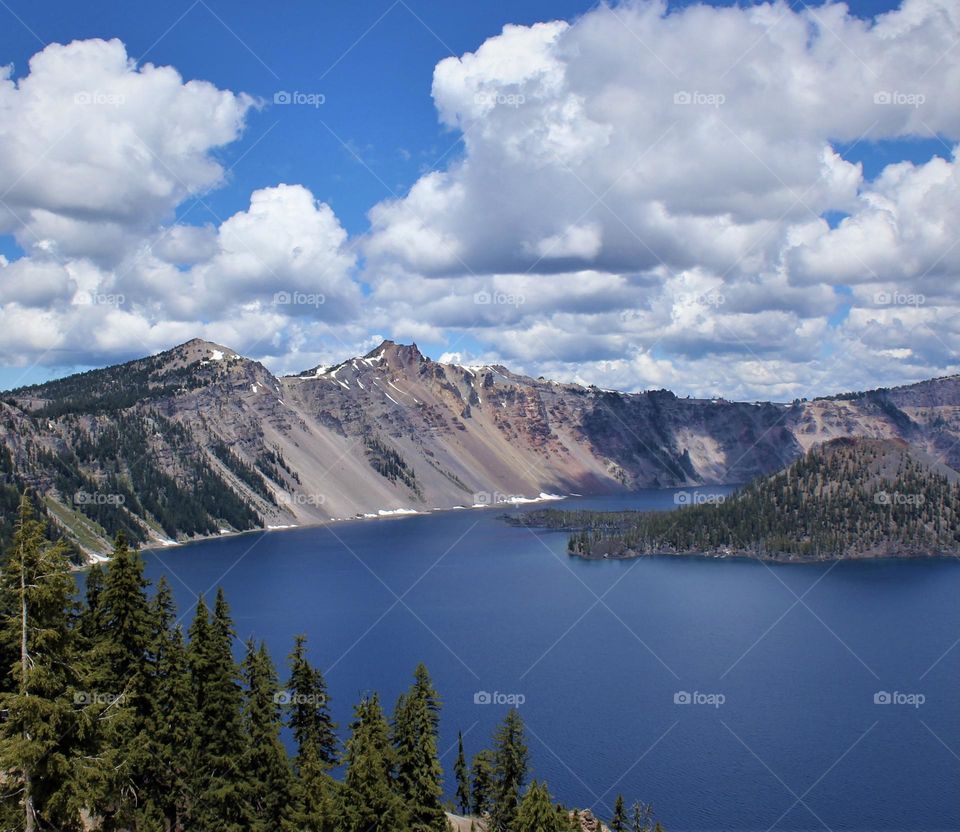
730	694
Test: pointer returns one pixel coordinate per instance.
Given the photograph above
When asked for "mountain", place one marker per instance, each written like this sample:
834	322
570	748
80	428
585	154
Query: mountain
848	498
199	440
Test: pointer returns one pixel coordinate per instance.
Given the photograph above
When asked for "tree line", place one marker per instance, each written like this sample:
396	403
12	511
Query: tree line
114	718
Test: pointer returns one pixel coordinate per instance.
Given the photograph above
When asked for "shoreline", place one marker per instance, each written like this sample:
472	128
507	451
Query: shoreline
382	514
781	561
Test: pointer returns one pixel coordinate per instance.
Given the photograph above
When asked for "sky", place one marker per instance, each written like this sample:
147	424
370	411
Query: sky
753	200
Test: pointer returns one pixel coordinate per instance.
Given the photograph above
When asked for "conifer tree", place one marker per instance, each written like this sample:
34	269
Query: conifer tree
619	821
640	817
510	770
309	709
482	788
39	739
265	764
317	747
420	775
463	781
219	787
370	801
535	812
119	655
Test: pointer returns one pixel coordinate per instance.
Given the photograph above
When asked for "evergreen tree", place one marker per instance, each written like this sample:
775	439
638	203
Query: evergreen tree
317	748
370	801
510	770
619	822
173	733
39	755
463	782
123	628
309	709
535	812
420	775
219	787
265	764
483	783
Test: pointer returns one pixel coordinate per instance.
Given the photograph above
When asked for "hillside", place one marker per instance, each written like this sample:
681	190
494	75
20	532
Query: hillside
848	498
199	440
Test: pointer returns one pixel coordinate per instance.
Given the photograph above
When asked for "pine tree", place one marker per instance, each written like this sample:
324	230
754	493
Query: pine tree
640	817
619	821
119	655
309	709
463	782
265	764
39	738
370	801
317	747
483	782
510	770
420	775
173	733
219	787
535	812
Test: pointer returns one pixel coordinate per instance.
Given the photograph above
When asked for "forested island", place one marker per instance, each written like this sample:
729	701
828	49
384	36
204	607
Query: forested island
114	719
849	498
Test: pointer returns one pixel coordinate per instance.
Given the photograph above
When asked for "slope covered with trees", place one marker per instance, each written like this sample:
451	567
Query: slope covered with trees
113	718
845	499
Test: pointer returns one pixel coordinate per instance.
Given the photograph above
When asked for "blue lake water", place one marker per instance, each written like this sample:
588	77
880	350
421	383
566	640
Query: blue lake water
601	650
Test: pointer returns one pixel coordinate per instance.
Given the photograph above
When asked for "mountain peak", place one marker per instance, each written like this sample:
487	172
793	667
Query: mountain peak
395	354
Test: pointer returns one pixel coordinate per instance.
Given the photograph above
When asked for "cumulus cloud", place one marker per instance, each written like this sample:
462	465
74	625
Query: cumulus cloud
687	161
95	151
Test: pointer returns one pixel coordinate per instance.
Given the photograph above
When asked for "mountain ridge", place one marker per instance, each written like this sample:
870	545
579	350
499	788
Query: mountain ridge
234	447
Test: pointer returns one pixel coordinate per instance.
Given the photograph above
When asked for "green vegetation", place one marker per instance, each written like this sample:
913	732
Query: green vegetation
113	721
848	498
389	463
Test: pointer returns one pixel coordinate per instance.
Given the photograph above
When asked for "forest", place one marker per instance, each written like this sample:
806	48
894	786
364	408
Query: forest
114	717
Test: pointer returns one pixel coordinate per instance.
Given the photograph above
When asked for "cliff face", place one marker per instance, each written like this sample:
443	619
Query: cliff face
199	439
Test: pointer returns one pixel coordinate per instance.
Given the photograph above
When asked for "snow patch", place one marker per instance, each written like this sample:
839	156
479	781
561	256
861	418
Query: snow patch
388	512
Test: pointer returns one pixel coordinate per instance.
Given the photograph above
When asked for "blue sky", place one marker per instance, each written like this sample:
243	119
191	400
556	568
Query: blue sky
378	131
